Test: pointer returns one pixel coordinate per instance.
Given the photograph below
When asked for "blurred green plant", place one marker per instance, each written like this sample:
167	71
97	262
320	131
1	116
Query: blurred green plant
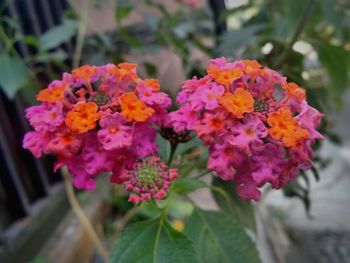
40	260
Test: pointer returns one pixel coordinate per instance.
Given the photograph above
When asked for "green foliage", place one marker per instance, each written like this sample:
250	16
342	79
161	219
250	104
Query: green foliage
296	189
56	57
208	237
153	241
57	35
149	210
179	207
123	9
336	62
40	260
13	74
187	185
233	41
218	238
163	148
238	209
151	69
192	152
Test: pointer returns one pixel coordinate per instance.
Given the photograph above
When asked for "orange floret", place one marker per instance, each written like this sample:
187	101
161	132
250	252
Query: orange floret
241	101
295	91
293	139
133	108
128	69
285	128
83	117
51	94
85	72
125	70
251	67
153	83
224	77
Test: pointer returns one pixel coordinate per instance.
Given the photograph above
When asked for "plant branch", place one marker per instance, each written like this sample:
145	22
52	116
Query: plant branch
78	211
296	35
172	153
202	174
83	18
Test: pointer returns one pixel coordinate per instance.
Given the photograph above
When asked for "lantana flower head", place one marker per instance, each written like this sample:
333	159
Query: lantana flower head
149	178
258	126
97	119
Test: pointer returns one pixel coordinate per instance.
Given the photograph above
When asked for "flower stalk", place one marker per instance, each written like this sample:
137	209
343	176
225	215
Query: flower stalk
84	220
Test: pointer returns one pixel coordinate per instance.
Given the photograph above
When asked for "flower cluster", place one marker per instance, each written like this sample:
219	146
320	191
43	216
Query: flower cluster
97	119
258	126
149	178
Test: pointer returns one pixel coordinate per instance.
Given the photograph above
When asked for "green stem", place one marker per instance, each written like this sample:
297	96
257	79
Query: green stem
296	35
8	45
202	174
172	153
162	217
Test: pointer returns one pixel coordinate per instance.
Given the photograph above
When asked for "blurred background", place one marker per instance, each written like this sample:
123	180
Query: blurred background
306	40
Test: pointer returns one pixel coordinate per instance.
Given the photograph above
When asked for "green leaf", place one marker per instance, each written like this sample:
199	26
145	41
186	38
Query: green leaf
187	185
57	35
161	8
295	189
235	40
334	138
131	40
153	241
163	148
315	173
193	144
13	74
123	9
58	55
218	239
239	209
336	61
287	14
179	207
336	16
149	210
40	260
31	40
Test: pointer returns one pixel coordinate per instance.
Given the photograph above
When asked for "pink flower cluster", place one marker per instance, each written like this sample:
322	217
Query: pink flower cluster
97	120
149	178
258	126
